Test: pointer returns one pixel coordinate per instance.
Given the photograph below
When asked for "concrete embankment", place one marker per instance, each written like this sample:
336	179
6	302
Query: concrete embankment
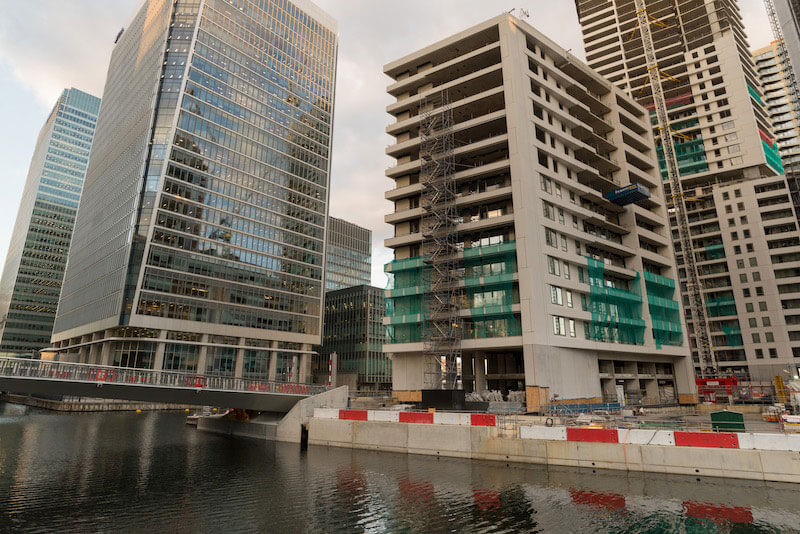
699	454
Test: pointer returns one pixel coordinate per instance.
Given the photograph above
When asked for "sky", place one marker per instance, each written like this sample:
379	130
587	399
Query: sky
49	45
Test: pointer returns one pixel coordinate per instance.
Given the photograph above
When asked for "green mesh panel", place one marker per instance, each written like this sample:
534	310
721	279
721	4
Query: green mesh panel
488	282
691	156
773	158
616	313
664	310
714	251
733	336
754	94
720	307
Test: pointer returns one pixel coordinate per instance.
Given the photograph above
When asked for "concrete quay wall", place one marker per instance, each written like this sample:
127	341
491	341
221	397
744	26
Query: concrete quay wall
489	443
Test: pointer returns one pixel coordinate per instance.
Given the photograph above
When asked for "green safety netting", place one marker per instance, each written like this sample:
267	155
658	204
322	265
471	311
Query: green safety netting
488	293
664	310
721	306
714	251
733	336
754	94
691	156
616	313
773	157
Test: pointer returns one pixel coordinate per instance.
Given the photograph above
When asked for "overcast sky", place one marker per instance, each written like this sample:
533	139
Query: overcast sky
47	45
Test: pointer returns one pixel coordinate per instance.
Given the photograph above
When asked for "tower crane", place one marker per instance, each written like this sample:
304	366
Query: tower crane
708	365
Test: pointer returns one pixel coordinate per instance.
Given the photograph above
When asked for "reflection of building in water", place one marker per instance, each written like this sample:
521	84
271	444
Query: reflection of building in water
200	236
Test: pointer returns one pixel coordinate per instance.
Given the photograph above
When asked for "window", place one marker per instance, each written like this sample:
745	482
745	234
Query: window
558	186
547	184
571	328
746	292
731	222
740	264
769	337
560	215
753	262
737	249
735	236
728	209
726	196
743	219
766	321
749	307
753	323
559	326
551	238
553	266
568	295
547	210
556	296
746	233
574	221
756	276
759	291
564	243
756	338
566	270
773	353
737	193
740	206
749	247
762	306
759	354
743	278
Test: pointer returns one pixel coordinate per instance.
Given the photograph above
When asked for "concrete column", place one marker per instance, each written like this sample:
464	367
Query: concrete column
480	373
94	353
202	358
158	364
273	362
83	351
105	353
239	365
294	374
305	366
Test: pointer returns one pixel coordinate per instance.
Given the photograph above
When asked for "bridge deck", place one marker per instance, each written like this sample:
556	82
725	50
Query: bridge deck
40	377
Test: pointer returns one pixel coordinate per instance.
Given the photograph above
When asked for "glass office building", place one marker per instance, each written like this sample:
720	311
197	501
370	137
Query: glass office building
354	331
200	236
37	253
349	256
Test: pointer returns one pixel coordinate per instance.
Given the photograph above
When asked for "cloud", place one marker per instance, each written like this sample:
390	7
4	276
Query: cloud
52	44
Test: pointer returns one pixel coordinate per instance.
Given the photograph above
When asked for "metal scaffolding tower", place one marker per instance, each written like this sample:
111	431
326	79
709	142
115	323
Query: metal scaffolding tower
442	330
792	169
708	364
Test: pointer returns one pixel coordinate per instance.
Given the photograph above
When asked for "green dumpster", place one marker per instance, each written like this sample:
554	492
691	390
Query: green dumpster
727	421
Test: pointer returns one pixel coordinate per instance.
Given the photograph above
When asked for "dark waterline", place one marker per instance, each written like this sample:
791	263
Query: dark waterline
151	473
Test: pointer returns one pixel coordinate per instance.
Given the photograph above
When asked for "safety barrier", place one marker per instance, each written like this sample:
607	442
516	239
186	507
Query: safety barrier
390	416
717	440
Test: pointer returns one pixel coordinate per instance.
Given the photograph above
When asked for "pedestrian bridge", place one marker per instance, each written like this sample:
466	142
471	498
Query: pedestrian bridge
43	377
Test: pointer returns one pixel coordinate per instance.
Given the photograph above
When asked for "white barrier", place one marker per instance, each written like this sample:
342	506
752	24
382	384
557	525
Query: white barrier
326	413
550	433
385	416
646	436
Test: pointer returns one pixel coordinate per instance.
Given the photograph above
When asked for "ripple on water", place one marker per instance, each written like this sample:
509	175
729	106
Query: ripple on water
149	472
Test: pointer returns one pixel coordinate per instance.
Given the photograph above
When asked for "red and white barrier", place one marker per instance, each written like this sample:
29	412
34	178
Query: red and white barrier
390	416
668	438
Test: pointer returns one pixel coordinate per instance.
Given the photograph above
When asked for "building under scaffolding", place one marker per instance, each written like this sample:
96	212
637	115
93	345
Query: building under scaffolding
729	165
531	240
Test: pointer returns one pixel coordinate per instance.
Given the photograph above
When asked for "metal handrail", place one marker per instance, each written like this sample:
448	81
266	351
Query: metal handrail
82	372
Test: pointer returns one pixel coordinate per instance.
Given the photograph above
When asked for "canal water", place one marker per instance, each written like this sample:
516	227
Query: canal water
151	473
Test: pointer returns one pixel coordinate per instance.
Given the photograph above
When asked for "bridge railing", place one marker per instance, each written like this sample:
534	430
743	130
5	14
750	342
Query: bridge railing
83	372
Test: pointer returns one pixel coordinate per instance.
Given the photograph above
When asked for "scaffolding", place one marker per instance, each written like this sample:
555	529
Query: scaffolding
442	329
694	290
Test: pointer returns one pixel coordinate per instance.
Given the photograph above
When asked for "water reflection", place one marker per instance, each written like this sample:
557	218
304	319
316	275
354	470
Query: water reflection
132	472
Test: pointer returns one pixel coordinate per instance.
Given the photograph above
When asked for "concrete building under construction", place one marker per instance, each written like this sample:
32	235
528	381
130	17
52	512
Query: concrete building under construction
531	242
726	155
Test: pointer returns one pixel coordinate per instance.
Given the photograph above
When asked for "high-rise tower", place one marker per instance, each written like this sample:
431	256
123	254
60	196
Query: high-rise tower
37	254
723	137
527	210
199	241
348	256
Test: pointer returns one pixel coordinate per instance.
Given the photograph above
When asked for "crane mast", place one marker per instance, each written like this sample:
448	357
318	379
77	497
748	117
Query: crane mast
708	365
